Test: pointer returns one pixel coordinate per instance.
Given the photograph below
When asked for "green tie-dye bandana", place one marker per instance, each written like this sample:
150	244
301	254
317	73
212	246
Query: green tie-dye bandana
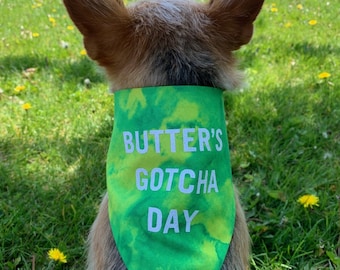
171	198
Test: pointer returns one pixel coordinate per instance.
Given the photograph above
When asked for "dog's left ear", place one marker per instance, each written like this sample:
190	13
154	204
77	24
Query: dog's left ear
232	21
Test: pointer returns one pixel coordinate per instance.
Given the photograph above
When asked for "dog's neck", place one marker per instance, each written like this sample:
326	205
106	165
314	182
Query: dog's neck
171	199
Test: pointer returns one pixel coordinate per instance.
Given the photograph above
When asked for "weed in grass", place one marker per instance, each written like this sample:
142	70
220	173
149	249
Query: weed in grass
284	134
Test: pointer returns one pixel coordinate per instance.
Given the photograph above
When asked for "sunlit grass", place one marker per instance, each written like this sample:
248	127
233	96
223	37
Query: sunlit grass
284	128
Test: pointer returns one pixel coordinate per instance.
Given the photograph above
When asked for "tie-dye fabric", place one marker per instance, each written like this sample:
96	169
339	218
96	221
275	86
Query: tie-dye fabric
171	198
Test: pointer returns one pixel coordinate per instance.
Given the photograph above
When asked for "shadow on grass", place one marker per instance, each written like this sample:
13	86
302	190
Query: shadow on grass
253	53
50	190
65	70
285	143
318	51
50	186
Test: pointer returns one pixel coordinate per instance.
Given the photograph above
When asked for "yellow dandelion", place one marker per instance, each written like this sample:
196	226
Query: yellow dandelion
26	106
52	21
308	200
288	24
324	75
35	35
274	9
36	5
19	88
70	27
299	6
312	22
56	255
83	52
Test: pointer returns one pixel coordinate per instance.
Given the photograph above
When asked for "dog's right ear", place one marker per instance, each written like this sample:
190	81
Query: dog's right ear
105	25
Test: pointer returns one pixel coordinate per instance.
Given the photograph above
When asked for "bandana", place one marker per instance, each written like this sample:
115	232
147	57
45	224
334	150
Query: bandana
171	198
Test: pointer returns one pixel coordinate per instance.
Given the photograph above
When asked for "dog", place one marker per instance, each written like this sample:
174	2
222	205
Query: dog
184	50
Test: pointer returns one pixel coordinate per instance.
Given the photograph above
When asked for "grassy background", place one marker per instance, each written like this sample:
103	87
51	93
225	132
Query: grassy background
284	131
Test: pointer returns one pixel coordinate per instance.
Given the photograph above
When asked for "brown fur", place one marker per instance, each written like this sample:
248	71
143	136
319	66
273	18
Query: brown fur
165	42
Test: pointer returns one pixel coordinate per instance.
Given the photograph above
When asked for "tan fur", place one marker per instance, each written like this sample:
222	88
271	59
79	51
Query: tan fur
165	42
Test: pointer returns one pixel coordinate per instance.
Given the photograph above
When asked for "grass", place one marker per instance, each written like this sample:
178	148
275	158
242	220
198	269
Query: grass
284	131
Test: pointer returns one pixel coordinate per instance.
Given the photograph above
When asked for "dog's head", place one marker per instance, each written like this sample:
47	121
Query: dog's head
166	42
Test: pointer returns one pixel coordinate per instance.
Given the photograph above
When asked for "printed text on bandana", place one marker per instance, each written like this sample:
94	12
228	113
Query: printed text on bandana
185	181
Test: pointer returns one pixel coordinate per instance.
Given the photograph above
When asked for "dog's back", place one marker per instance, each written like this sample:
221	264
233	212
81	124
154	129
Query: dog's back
156	43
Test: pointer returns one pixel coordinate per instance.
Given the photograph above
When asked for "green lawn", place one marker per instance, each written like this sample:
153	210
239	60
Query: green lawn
284	132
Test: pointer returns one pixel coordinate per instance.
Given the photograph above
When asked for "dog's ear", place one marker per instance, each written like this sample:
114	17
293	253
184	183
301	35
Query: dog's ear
105	25
232	21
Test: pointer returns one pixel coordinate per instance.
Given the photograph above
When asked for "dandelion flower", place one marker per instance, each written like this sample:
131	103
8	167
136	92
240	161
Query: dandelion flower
19	88
288	24
312	22
309	200
35	35
56	255
52	21
299	6
70	27
274	9
324	75
83	52
26	106
36	5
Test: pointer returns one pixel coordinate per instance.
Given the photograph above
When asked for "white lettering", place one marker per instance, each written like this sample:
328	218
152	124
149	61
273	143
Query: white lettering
156	134
187	139
172	222
219	145
154	212
171	172
188	181
212	182
202	181
155	220
141	183
203	138
181	187
138	142
172	133
188	219
129	146
153	180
